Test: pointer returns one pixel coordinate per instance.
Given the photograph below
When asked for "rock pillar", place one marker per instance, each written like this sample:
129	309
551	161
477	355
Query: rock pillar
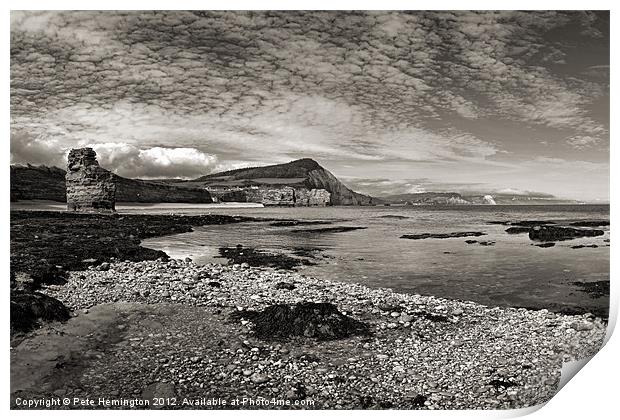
90	188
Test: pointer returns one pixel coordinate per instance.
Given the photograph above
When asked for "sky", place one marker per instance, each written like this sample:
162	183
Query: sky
390	102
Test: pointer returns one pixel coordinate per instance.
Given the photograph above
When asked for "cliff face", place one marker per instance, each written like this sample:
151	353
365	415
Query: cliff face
284	196
30	182
139	191
303	175
274	195
340	194
43	183
313	197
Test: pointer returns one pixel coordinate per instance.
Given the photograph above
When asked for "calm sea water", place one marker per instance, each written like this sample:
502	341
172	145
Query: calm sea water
513	272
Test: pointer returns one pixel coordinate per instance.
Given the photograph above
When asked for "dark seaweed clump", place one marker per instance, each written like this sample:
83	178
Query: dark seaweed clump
45	244
257	258
285	223
335	229
596	289
322	321
28	309
502	383
442	235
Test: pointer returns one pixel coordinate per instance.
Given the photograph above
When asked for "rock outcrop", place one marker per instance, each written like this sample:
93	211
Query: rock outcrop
561	233
89	186
273	196
284	196
313	197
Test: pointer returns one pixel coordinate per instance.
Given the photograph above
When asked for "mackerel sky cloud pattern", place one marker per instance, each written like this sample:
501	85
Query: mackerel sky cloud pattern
455	98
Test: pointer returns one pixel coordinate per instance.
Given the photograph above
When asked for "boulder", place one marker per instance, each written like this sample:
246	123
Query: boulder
284	285
164	391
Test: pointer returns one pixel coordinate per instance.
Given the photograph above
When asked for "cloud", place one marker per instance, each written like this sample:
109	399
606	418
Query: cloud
385	186
124	159
155	162
583	142
395	68
271	86
517	191
26	148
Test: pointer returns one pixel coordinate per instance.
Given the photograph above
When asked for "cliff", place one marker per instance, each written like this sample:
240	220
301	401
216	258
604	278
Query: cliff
29	182
303	175
137	190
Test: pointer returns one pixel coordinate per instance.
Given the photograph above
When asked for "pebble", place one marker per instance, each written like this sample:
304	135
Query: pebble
104	266
258	378
583	326
405	318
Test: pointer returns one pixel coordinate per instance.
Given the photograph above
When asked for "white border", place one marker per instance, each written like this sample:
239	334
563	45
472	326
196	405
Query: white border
592	395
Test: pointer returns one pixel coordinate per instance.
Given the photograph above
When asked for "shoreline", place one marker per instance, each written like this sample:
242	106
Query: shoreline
423	351
123	206
48	245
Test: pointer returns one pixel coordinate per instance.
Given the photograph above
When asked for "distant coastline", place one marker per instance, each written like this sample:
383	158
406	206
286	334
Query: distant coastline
298	183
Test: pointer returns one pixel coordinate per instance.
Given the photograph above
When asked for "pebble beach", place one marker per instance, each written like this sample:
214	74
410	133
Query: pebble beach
166	328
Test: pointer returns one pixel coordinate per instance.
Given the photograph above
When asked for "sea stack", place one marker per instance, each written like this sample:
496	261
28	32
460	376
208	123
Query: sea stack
90	188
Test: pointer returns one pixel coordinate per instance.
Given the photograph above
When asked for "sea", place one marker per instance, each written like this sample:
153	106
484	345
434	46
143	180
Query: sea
512	272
